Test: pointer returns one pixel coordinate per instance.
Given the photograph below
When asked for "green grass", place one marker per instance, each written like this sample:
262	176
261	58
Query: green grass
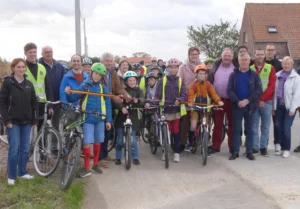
40	193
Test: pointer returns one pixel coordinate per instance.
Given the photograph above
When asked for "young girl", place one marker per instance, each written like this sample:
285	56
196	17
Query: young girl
130	81
171	90
94	127
200	92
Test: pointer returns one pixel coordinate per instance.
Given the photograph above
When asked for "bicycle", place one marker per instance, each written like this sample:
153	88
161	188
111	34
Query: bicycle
46	148
202	132
152	129
3	134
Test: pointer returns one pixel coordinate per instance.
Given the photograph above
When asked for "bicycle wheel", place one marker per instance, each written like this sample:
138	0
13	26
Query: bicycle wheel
3	135
204	147
165	138
112	141
32	141
153	140
71	160
128	148
47	152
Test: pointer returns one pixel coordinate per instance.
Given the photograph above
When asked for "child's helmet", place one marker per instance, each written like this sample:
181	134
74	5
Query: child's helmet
200	67
209	60
129	74
98	68
173	61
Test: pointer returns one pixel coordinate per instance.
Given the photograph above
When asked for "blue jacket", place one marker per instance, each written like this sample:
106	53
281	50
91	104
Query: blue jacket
69	80
255	89
55	76
93	102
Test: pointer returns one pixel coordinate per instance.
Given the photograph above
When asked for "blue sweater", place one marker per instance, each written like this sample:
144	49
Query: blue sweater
93	102
242	82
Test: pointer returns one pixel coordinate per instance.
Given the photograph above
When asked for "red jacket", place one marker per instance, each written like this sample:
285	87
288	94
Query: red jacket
268	93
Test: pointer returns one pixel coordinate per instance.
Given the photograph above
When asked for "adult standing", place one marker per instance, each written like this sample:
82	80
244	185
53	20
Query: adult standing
55	72
142	62
219	77
18	109
186	73
114	86
263	115
38	76
286	101
244	90
160	64
271	57
123	68
153	63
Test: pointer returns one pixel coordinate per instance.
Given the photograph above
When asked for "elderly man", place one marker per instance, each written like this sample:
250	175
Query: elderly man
38	76
219	77
153	63
244	90
114	87
268	78
55	72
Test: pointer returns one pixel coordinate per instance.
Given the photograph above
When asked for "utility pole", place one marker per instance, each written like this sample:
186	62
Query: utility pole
77	27
85	40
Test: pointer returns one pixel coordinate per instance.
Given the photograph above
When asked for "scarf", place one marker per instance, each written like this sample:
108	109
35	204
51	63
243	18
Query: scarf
191	66
280	90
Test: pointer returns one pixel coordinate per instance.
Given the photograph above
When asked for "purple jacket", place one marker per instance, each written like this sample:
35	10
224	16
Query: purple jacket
171	93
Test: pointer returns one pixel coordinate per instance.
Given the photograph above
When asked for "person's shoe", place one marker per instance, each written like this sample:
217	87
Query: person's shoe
27	176
147	135
212	150
297	149
255	151
118	162
176	157
11	182
136	162
264	152
84	173
286	154
163	157
188	148
109	158
278	149
250	156
234	156
97	169
103	163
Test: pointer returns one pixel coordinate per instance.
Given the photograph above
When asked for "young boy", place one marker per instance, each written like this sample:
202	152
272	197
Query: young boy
171	91
141	80
130	81
200	92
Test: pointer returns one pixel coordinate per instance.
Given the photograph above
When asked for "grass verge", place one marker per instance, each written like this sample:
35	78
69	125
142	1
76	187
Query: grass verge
40	193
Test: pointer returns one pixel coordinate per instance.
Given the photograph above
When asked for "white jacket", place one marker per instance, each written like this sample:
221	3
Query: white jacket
291	91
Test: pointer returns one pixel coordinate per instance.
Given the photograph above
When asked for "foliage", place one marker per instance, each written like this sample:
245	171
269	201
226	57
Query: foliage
141	54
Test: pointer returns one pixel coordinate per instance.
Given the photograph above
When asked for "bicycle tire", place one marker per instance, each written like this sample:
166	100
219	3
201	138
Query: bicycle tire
153	142
128	148
3	134
68	174
111	144
32	141
37	150
143	132
165	142
204	147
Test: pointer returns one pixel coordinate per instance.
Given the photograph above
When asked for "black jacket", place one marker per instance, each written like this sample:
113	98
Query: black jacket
18	102
255	89
275	63
212	72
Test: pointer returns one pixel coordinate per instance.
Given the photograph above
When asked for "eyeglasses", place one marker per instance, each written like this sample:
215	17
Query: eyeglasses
48	52
194	54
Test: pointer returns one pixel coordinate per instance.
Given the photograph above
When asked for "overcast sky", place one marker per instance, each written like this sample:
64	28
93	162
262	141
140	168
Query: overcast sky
121	27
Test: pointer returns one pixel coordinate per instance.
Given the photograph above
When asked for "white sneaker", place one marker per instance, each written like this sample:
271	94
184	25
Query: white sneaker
163	157
27	176
11	182
176	157
286	154
278	149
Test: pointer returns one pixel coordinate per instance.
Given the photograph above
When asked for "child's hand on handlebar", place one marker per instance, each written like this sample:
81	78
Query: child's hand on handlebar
177	102
220	103
190	104
124	111
135	100
147	106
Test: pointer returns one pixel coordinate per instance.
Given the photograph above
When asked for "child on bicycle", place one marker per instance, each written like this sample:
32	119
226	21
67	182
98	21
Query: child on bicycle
94	126
172	91
130	81
201	91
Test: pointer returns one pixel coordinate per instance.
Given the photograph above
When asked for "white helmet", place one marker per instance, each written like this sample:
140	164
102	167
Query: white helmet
87	61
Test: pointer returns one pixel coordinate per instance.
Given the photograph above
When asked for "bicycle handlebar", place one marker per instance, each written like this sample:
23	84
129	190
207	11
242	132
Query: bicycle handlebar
196	107
75	108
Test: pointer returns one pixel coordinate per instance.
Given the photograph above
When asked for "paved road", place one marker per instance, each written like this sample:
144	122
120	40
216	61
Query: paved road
267	183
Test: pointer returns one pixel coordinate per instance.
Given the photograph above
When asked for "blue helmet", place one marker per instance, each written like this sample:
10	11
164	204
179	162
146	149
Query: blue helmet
129	74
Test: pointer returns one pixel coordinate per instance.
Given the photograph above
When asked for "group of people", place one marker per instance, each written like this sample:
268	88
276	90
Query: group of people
251	90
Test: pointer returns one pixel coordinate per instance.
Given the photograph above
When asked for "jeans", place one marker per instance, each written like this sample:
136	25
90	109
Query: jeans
238	115
119	145
283	123
104	151
265	115
18	137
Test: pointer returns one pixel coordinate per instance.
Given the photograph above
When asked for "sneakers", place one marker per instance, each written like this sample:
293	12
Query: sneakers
136	162
11	182
250	156
103	163
264	152
188	148
278	149
212	150
297	149
118	162
255	151
286	154
84	173
27	176
97	169
176	157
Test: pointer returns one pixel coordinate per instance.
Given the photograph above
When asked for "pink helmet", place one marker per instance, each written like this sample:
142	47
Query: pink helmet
173	61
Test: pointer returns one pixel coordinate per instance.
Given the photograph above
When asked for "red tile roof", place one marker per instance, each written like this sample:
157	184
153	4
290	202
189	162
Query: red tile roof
138	59
286	18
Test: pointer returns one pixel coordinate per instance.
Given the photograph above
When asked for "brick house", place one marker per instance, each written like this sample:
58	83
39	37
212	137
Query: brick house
278	24
136	60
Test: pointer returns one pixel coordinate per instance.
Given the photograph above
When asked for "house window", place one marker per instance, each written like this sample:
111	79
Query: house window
272	29
245	37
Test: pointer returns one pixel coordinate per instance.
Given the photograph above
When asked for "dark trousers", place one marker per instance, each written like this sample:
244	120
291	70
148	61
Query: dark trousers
104	151
238	115
56	117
